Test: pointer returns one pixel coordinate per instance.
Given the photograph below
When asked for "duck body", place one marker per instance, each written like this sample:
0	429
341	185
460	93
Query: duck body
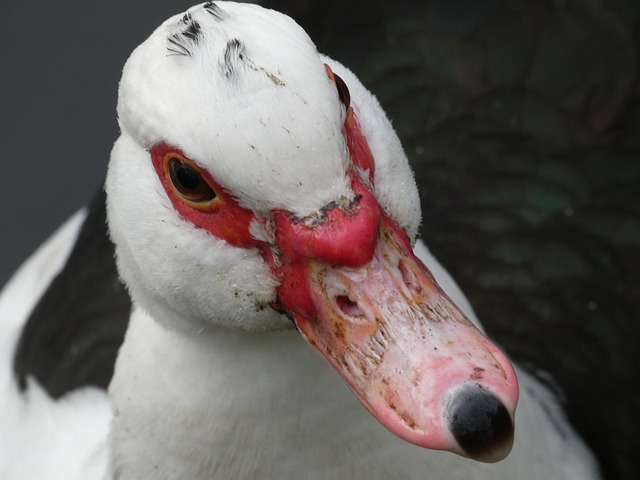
212	381
261	406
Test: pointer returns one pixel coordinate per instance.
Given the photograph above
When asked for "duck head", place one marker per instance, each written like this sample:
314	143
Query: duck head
257	185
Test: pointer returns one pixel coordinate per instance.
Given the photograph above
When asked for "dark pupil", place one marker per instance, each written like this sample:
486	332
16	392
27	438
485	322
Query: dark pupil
188	182
188	177
343	91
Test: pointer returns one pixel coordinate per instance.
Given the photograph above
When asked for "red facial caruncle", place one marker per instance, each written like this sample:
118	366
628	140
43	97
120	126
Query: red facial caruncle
358	295
198	197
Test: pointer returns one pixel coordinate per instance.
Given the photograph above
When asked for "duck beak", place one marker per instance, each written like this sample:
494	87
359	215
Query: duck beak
361	298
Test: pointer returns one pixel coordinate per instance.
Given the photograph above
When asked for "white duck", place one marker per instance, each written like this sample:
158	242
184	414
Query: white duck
252	194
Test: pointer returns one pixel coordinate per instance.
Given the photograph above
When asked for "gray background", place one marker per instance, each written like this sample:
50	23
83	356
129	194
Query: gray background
60	63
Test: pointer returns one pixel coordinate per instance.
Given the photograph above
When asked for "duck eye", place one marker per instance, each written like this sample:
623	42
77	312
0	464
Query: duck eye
188	182
343	91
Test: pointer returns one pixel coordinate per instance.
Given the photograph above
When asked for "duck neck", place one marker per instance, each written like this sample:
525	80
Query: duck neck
228	404
193	402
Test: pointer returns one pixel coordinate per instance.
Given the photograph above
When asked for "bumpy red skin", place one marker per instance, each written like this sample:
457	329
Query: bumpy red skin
346	237
224	219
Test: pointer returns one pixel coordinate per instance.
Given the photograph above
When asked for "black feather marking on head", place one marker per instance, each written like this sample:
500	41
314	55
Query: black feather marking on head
179	42
233	53
193	32
215	10
177	47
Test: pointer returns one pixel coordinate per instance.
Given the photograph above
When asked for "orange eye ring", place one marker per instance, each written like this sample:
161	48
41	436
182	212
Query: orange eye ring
188	183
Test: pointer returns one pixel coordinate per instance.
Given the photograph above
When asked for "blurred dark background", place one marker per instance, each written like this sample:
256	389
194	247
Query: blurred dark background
61	63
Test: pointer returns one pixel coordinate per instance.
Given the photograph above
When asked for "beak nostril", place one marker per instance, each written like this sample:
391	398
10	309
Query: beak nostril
348	306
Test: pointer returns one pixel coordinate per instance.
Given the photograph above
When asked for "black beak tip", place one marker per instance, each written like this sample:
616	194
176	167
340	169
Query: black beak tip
481	424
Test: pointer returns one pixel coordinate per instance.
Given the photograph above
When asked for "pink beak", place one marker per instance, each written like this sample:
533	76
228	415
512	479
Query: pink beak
363	300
